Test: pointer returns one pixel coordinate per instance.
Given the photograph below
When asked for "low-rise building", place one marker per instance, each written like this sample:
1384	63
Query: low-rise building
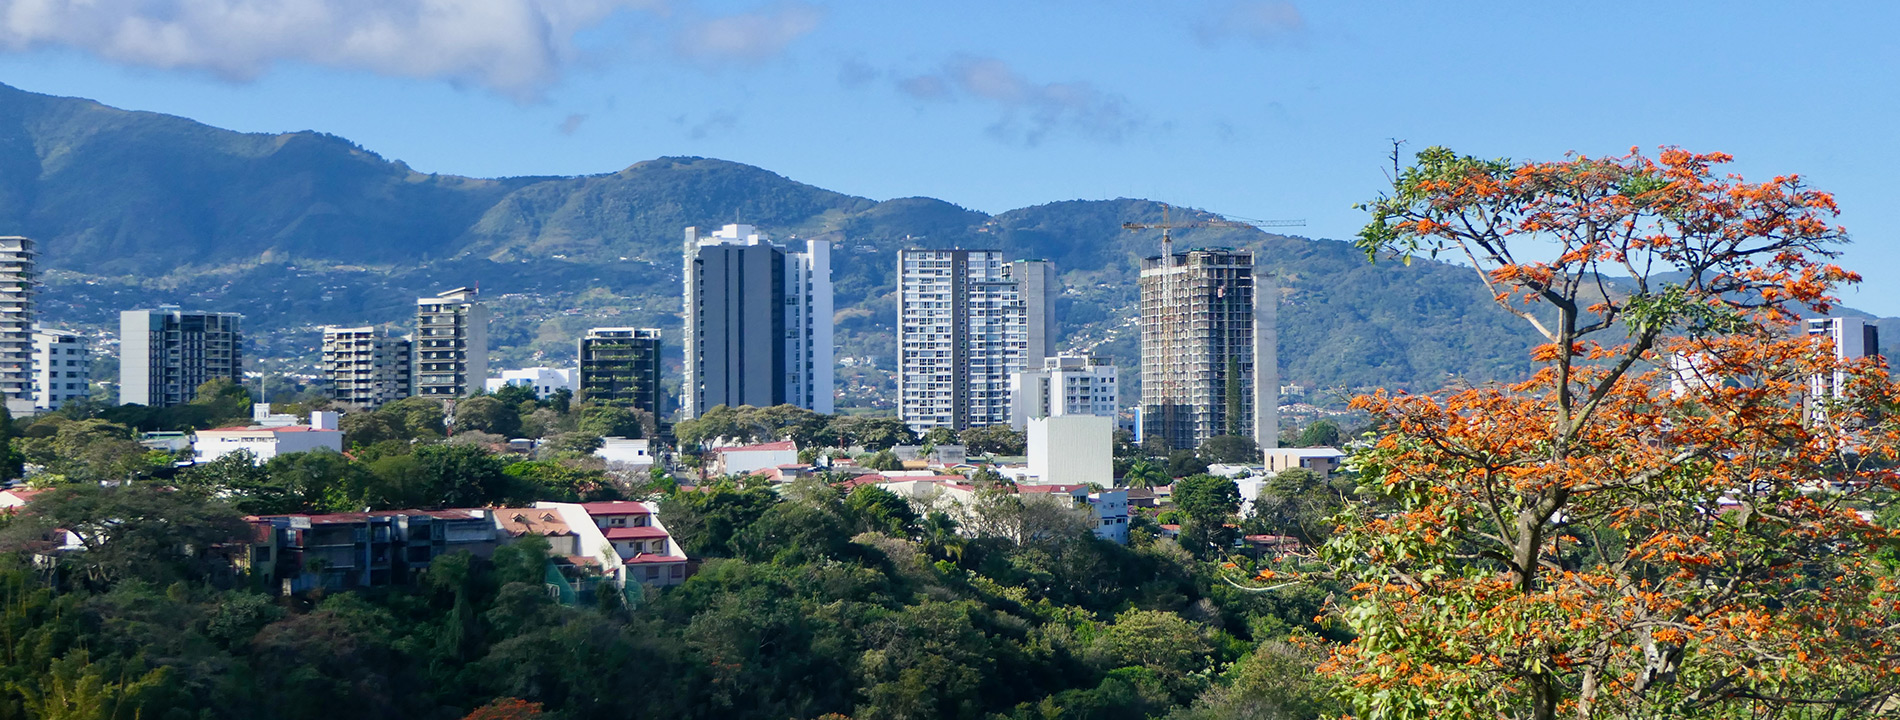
517	523
1321	460
641	541
1106	510
750	458
633	453
266	442
545	381
340	551
1111	515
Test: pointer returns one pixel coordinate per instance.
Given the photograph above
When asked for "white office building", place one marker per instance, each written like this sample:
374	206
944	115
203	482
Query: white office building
268	441
758	322
1851	339
965	321
545	381
451	344
1064	385
62	368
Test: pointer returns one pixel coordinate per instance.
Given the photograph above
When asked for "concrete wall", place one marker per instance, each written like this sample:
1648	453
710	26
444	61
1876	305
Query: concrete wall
1072	450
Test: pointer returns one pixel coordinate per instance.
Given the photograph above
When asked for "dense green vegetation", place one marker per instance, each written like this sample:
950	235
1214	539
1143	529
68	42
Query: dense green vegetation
811	601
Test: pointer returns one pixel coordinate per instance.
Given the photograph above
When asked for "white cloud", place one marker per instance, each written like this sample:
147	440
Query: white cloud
747	38
516	47
1259	21
1031	111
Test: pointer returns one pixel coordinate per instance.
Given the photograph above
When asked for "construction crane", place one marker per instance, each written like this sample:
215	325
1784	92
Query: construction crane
1171	329
1167	226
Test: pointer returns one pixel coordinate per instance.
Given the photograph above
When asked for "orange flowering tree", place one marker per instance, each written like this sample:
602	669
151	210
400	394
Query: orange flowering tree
1663	521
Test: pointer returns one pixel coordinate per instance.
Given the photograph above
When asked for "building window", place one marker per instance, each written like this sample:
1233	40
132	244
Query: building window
653	572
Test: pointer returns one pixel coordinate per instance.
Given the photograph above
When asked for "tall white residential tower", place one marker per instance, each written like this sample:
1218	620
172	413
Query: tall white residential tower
965	321
17	276
451	345
367	366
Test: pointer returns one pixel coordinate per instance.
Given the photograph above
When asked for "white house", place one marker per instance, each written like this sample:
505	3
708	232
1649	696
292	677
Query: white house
636	453
544	380
1111	515
1321	460
269	442
752	458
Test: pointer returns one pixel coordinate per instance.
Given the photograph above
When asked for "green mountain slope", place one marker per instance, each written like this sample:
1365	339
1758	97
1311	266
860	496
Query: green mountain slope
302	229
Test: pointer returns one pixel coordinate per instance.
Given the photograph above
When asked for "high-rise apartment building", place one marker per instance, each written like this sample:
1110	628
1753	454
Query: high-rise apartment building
1064	385
1036	285
966	319
62	368
1205	371
165	354
17	278
366	366
451	345
621	366
758	322
1851	339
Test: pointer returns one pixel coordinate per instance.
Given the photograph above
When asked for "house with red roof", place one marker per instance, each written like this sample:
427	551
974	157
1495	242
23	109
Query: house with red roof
15	498
647	551
748	459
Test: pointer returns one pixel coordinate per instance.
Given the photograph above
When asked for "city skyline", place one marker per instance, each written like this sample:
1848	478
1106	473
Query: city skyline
1261	109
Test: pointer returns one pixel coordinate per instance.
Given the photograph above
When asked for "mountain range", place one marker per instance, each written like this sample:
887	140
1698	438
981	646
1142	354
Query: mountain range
302	229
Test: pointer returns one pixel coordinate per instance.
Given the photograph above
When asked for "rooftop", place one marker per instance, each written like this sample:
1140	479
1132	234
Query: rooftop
616	507
762	447
262	428
538	521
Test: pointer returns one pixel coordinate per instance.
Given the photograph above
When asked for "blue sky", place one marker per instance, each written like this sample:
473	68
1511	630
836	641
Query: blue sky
1256	108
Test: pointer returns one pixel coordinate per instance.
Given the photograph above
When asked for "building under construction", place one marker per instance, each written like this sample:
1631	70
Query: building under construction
1205	371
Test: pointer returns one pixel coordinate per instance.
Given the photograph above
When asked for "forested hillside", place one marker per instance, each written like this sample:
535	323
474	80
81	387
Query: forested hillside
301	229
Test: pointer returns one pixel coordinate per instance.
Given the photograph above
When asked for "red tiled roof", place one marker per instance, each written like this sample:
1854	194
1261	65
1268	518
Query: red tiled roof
634	533
616	507
25	494
861	480
1269	539
546	522
1049	488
